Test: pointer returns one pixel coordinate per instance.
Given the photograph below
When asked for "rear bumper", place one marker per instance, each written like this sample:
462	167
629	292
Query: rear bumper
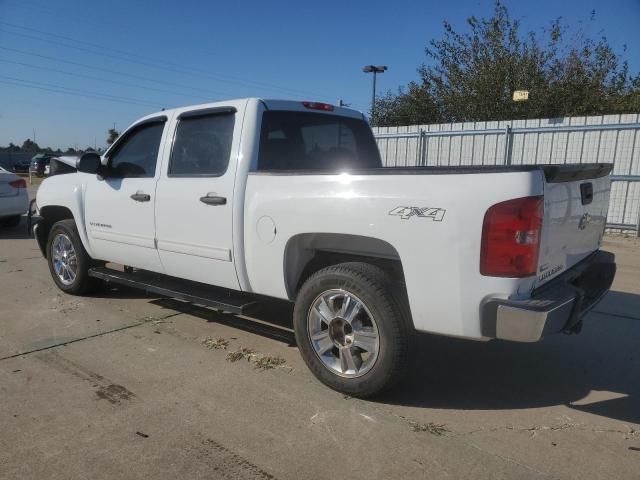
555	307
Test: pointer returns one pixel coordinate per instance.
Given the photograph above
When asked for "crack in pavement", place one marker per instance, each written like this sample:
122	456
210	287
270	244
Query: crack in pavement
137	323
462	437
554	428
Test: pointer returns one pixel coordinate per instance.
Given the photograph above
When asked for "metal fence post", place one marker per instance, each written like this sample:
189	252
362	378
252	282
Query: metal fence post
507	145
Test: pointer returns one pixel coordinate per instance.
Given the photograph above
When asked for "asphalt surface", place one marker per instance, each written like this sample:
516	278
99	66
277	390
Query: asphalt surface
121	385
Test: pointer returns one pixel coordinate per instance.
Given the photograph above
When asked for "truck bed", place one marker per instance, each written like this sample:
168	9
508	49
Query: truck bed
554	173
428	218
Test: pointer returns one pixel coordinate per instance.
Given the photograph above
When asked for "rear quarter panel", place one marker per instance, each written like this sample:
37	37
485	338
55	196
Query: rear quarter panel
440	259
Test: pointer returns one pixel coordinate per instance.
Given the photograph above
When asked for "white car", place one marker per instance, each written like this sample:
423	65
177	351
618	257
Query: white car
14	200
224	203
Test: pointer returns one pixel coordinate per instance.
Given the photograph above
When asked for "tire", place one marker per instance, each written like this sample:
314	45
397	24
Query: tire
10	222
376	337
66	232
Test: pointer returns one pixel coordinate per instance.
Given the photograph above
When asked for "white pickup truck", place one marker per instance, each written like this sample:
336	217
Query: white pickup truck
224	203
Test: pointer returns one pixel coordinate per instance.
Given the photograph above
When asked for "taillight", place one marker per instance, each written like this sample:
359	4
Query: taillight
19	183
318	106
511	237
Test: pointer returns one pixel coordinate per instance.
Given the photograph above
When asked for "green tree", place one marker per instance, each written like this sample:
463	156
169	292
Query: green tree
30	146
471	76
410	106
113	135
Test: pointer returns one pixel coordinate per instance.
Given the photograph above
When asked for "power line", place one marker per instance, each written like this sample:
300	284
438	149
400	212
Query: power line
82	49
20	82
100	79
154	62
90	77
21	85
100	69
63	37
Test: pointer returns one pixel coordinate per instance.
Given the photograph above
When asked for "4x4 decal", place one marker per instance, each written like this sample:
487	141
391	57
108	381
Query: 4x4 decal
405	213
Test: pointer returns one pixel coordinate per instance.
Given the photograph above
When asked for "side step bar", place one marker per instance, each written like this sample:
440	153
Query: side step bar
193	292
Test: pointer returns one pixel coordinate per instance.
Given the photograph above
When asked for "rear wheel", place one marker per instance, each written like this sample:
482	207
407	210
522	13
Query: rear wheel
68	261
350	329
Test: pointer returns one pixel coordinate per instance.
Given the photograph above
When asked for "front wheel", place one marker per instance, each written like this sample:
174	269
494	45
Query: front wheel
350	329
68	261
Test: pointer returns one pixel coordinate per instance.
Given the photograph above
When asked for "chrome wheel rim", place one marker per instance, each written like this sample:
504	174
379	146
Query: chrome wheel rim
343	333
65	262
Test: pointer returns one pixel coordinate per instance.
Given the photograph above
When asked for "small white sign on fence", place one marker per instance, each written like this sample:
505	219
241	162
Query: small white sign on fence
520	95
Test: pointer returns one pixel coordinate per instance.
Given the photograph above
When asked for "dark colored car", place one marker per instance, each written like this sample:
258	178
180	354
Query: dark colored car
22	165
39	164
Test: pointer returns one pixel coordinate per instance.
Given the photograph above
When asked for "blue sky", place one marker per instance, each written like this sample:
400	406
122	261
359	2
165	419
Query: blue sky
153	54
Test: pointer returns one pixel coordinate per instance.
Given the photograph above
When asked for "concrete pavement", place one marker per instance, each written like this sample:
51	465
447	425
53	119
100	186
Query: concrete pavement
121	385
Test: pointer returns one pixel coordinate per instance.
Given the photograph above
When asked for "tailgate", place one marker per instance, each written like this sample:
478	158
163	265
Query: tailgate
576	201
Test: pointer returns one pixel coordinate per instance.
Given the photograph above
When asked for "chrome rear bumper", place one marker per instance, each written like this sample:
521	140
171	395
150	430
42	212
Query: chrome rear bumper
555	307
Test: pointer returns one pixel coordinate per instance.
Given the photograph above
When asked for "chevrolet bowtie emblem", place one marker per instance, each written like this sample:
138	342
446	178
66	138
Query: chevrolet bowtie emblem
584	221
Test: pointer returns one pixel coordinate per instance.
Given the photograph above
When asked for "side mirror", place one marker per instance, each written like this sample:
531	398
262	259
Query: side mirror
90	163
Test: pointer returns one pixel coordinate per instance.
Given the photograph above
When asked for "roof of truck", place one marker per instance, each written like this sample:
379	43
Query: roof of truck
269	103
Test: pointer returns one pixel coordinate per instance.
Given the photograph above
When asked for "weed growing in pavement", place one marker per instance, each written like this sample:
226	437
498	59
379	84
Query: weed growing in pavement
267	363
260	362
240	354
216	343
432	428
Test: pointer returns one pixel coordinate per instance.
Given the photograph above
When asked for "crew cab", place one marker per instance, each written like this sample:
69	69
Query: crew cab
225	203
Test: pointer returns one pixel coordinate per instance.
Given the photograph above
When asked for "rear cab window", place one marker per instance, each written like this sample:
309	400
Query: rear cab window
306	141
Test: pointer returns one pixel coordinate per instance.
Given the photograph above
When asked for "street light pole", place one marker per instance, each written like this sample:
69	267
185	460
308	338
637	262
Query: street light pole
373	92
375	69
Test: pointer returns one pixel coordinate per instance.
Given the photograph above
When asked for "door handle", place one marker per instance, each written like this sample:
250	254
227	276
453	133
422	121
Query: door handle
213	200
141	196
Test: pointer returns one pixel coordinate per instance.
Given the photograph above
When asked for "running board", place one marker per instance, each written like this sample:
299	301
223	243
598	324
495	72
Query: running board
193	292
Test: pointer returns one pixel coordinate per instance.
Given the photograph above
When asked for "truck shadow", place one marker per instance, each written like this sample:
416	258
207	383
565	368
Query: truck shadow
273	321
597	371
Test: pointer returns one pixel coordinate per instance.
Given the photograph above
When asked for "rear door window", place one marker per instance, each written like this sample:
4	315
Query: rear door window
315	142
202	145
